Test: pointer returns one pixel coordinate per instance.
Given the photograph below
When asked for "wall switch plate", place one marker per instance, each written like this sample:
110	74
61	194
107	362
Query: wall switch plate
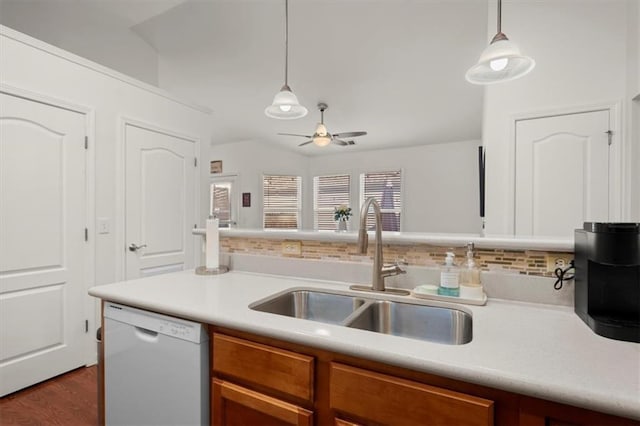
102	225
558	260
292	248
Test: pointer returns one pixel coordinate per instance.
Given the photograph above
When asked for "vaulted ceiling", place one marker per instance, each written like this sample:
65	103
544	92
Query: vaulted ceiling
394	68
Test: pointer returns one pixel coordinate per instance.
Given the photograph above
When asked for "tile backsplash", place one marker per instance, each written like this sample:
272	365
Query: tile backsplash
524	262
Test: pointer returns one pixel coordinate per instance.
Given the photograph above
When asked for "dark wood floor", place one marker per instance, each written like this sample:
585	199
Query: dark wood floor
70	399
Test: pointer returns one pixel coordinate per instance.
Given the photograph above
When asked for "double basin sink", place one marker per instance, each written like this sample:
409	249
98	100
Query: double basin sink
412	320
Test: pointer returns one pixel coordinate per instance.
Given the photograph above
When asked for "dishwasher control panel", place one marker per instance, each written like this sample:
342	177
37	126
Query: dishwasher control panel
158	323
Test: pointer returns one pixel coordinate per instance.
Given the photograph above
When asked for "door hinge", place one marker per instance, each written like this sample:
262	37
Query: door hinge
86	142
86	326
610	136
195	162
86	234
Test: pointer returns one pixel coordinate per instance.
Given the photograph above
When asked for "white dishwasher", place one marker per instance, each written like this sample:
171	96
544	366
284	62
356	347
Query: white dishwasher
156	368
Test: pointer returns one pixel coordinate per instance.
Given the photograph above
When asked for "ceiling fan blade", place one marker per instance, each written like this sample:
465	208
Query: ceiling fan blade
306	143
349	134
342	143
294	134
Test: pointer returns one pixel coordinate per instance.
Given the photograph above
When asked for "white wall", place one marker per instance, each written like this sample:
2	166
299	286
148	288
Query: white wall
580	53
70	26
250	160
440	181
31	65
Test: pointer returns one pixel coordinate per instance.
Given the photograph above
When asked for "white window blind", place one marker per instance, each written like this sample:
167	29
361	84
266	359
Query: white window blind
329	192
386	187
281	201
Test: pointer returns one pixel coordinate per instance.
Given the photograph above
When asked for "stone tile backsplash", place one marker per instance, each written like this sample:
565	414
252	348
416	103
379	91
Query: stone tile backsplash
524	262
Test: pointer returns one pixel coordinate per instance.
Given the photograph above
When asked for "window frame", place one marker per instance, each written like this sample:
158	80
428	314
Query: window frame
234	202
316	209
399	210
298	210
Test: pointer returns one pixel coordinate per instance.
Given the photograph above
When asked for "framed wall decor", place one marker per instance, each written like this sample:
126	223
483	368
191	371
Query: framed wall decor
216	166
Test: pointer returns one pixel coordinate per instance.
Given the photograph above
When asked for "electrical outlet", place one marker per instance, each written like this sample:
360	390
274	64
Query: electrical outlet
558	260
291	248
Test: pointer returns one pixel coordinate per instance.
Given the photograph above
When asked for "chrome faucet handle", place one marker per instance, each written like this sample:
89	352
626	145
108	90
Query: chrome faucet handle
402	262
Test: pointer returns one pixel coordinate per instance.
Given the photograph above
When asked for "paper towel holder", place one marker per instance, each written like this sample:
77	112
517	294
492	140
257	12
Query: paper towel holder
202	270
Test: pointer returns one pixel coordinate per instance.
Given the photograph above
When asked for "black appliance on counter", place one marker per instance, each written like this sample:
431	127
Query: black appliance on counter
607	279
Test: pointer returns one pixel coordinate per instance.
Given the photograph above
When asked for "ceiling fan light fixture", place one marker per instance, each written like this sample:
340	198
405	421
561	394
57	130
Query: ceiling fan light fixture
321	130
322	140
500	61
285	104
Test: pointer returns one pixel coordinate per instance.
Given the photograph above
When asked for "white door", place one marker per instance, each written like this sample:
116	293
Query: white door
160	202
42	238
562	173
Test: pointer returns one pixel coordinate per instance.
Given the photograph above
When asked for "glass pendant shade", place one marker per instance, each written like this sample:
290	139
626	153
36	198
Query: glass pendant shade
500	61
322	140
285	106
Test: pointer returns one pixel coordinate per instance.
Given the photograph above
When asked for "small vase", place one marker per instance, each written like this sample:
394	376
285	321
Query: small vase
341	225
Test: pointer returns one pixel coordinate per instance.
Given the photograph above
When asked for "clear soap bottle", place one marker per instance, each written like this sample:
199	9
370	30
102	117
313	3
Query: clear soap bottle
470	273
449	277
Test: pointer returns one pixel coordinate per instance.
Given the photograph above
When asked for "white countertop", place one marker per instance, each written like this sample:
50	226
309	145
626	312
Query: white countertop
538	350
508	242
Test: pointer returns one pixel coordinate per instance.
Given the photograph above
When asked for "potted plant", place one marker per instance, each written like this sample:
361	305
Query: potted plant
341	215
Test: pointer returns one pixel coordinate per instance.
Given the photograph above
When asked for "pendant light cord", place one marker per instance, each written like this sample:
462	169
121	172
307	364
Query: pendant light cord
499	16
286	43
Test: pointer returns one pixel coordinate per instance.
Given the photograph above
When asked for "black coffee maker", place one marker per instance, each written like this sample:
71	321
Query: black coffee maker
607	279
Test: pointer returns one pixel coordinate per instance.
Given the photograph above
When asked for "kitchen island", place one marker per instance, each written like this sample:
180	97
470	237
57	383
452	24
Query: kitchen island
533	350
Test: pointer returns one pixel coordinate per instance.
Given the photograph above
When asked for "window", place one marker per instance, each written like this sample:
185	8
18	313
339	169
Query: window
329	192
281	201
222	202
386	187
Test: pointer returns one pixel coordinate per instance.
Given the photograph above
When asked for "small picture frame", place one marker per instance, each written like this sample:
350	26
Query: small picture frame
246	199
216	167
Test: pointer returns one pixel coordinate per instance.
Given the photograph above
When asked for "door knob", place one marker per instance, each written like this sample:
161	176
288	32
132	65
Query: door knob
135	247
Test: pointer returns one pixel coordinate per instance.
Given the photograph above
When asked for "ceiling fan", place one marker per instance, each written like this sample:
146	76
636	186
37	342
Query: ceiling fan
322	137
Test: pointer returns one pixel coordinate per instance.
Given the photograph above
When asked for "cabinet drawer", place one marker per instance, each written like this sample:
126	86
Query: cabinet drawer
390	400
235	405
277	369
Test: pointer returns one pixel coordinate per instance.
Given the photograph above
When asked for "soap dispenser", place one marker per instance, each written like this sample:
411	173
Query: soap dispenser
449	277
470	273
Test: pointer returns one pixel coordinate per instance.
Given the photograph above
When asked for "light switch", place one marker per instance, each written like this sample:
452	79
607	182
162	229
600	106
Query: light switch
103	225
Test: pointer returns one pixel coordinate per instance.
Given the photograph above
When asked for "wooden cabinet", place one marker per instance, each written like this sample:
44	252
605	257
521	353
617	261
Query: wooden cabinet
256	384
232	404
260	381
279	370
538	412
385	399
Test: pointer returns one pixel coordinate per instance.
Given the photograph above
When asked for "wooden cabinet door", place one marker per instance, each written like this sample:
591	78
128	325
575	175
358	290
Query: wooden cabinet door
382	399
234	405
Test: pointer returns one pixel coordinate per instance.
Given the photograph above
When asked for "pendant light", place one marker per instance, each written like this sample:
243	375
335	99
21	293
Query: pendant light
500	61
285	104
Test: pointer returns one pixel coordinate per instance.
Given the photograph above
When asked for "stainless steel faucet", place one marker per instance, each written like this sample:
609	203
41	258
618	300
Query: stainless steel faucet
380	270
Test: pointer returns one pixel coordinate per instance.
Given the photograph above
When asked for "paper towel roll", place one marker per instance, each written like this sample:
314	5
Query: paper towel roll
212	254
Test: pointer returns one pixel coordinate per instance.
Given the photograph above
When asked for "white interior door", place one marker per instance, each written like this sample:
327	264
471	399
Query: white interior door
562	173
160	202
42	222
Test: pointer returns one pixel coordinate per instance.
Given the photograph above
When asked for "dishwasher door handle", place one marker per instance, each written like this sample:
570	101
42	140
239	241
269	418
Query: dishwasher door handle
146	334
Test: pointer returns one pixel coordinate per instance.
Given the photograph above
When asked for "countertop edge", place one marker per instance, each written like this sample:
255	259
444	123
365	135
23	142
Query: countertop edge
402	238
